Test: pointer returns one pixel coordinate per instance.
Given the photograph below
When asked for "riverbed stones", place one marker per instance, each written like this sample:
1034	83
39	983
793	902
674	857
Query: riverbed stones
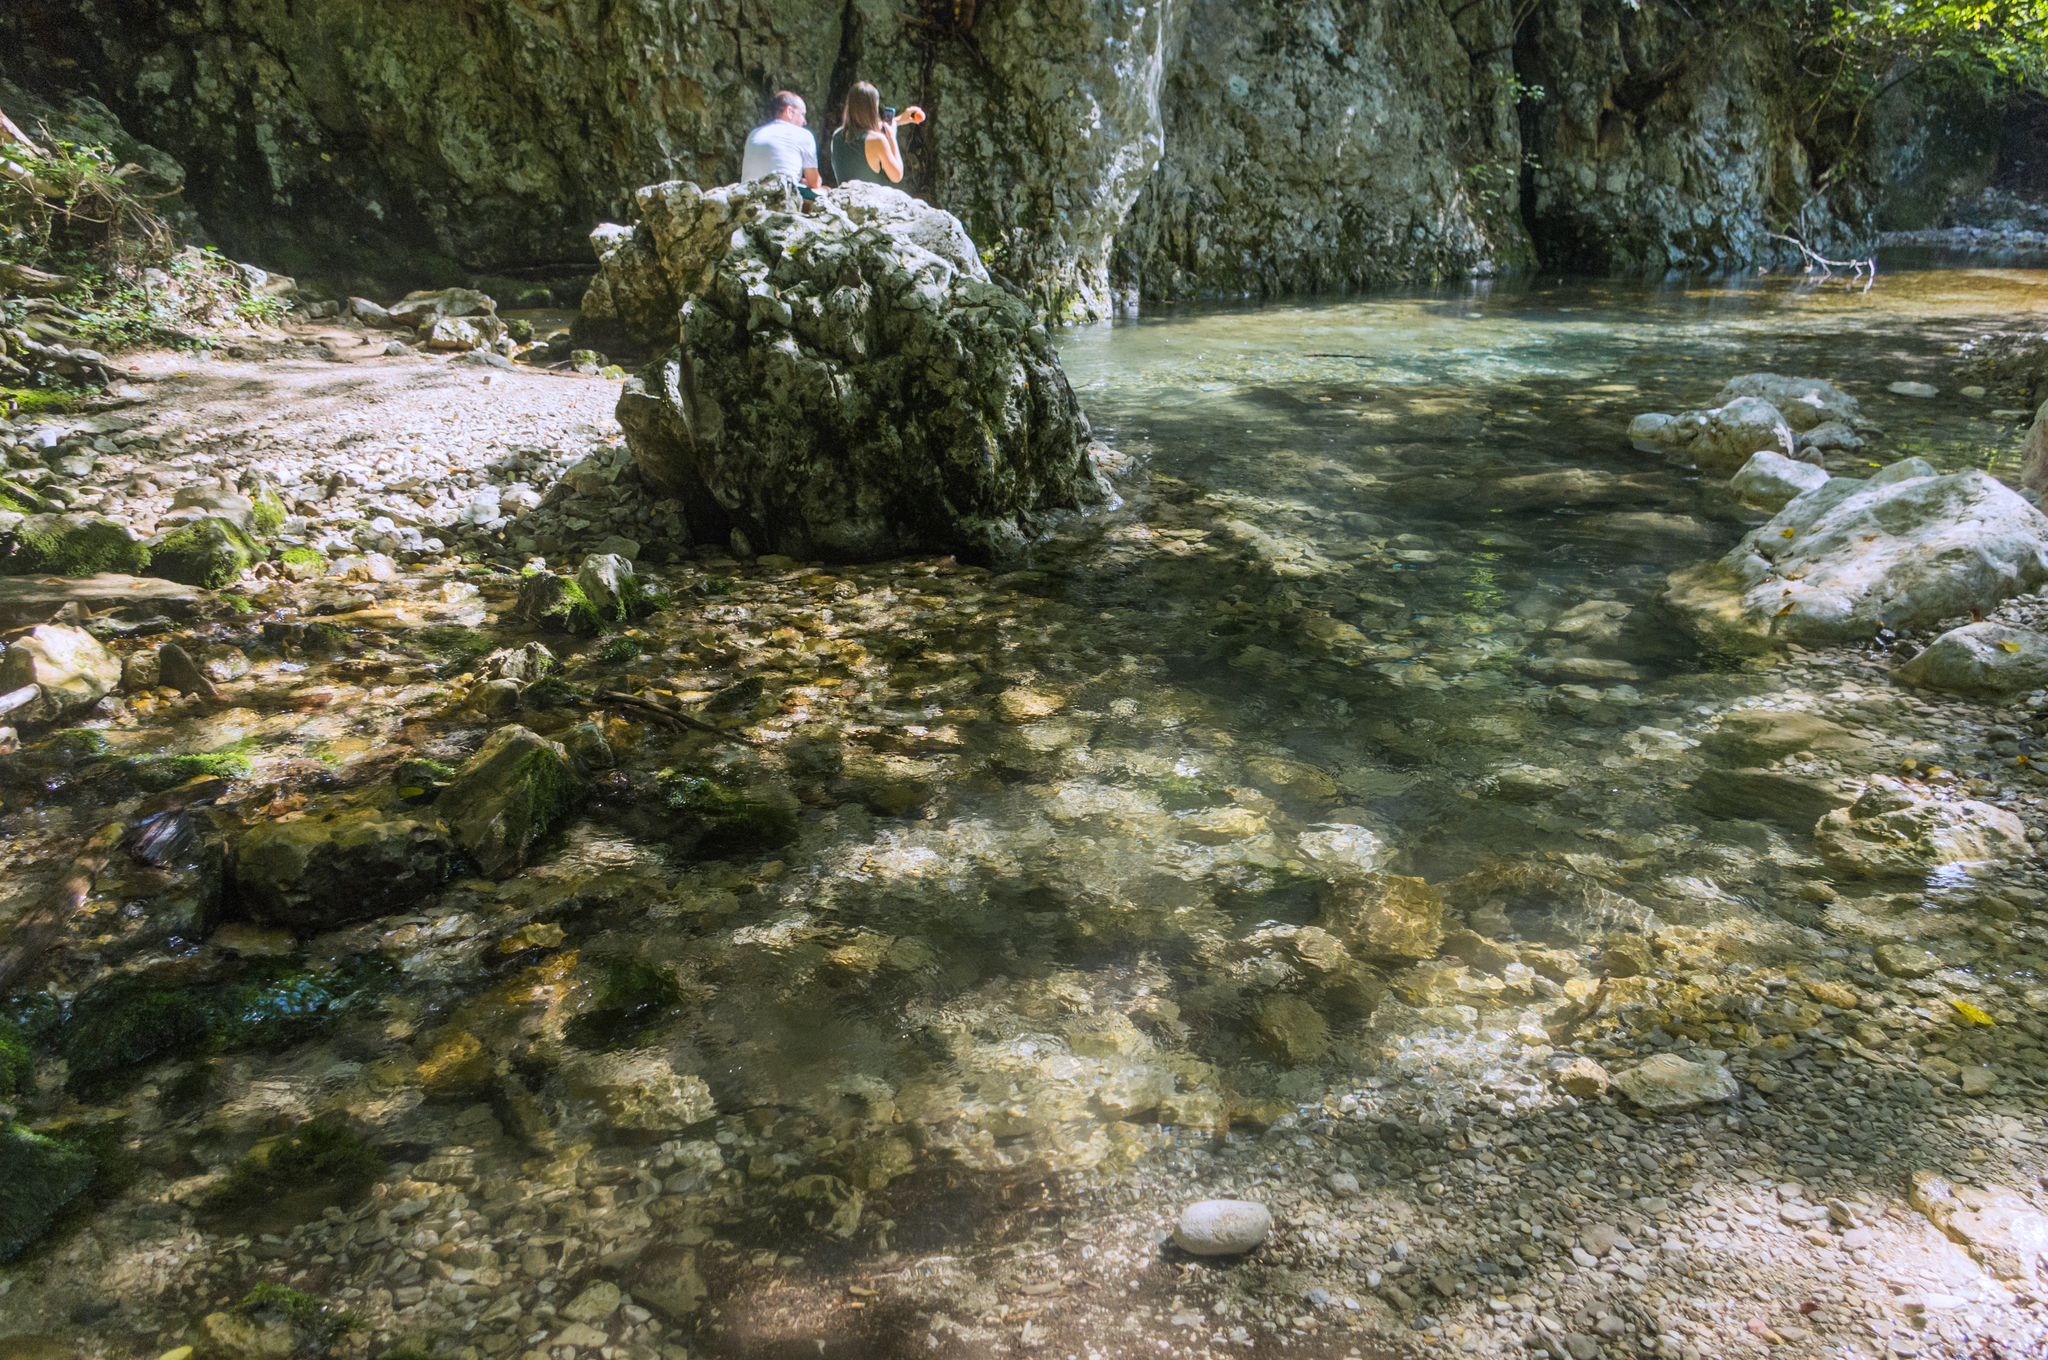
1721	439
844	381
1384	916
319	871
1893	831
26	600
1669	1084
507	797
1839	563
1987	660
1222	1227
1772	480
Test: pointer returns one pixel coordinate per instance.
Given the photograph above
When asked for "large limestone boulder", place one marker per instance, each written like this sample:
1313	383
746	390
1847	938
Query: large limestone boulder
507	796
68	666
1721	439
841	381
1903	549
1892	832
319	872
1991	660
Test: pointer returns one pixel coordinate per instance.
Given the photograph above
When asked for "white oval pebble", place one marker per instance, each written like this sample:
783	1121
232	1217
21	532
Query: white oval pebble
1222	1227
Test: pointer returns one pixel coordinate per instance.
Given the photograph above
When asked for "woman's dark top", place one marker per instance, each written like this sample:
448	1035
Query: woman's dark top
850	157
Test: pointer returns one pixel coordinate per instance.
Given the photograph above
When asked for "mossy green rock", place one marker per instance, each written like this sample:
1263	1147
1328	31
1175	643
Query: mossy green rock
208	552
321	872
550	601
74	545
613	591
43	1176
509	795
17	1064
130	1019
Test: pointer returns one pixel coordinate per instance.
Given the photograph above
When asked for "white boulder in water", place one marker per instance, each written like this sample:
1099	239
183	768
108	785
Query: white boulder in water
1904	549
1804	403
1722	438
1773	480
1222	1227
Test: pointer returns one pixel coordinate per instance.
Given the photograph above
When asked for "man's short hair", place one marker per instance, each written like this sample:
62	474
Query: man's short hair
782	100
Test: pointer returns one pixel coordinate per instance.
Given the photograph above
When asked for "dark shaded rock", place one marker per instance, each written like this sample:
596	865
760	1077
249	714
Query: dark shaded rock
43	1176
509	795
1768	796
320	872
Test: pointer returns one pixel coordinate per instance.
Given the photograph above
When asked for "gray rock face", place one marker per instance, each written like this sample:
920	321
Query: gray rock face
317	873
1805	403
1891	832
1838	563
1987	659
2034	453
847	383
1213	146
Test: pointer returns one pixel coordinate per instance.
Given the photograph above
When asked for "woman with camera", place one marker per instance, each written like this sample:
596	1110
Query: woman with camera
864	145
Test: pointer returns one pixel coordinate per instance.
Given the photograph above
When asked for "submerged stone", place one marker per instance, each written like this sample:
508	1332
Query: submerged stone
1222	1227
1291	1030
1667	1084
1384	916
43	1176
638	1089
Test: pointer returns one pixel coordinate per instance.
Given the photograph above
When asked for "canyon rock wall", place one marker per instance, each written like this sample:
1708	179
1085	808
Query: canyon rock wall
1094	147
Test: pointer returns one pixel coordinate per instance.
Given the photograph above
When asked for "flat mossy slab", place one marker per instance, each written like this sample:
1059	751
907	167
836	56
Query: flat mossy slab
26	600
73	545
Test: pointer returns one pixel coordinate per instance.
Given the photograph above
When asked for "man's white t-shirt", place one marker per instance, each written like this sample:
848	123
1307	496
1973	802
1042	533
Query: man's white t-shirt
779	148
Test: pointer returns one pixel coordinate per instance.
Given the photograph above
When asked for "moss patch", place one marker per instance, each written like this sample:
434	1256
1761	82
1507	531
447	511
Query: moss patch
304	559
44	1175
460	647
633	995
154	774
17	1064
75	545
34	401
207	553
268	513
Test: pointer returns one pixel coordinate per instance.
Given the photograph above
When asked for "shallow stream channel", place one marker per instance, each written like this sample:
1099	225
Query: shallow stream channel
1006	913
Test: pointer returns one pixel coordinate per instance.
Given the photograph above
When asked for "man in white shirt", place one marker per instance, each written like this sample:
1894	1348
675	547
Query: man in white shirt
783	145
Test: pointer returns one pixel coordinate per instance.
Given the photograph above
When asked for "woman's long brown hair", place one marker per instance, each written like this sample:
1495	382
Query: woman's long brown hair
863	109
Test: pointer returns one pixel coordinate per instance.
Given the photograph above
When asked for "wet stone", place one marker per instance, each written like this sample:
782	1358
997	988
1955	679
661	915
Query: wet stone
1222	1227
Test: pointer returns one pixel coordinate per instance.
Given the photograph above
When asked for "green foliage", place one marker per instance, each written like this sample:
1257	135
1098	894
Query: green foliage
44	1175
321	1154
38	401
1989	43
616	651
74	210
460	647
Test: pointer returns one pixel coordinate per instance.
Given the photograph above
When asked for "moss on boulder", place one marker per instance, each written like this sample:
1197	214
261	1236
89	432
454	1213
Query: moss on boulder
44	1175
208	552
318	873
74	545
509	795
550	601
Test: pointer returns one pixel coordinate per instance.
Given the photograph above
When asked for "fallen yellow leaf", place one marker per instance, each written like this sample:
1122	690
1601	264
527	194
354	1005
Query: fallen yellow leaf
2007	644
1789	532
1971	1013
